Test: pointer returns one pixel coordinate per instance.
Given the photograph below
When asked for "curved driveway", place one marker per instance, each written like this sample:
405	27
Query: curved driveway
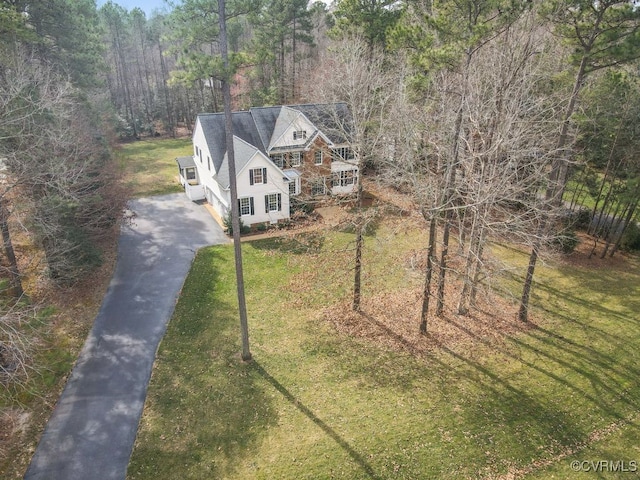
93	427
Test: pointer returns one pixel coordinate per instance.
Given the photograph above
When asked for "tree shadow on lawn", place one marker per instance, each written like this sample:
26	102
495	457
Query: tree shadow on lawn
625	326
478	406
206	410
627	298
532	419
208	429
505	420
357	457
630	301
601	376
588	395
585	362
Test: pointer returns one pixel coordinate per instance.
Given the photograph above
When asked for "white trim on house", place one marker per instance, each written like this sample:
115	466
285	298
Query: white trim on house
289	122
250	184
288	131
294	181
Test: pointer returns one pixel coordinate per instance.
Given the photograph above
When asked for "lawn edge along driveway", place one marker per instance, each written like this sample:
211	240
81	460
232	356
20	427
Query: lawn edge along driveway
91	432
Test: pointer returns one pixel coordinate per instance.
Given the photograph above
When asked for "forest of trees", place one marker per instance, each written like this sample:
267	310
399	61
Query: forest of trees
498	117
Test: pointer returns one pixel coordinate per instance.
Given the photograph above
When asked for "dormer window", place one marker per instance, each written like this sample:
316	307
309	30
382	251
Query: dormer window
299	134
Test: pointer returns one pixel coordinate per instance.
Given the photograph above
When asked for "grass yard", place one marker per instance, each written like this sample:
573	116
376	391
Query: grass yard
150	165
318	404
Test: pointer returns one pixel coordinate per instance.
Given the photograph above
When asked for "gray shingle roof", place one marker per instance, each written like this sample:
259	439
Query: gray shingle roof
332	119
214	132
185	162
265	119
257	125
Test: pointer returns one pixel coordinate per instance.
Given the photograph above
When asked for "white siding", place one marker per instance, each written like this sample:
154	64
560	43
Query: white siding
216	195
201	151
275	185
301	124
220	199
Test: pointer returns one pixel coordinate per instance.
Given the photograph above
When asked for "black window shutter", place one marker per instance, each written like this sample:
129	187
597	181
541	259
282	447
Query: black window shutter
279	201
239	208
250	177
264	175
266	204
251	204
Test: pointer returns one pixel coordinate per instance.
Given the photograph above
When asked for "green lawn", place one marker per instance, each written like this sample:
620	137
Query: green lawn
317	404
150	165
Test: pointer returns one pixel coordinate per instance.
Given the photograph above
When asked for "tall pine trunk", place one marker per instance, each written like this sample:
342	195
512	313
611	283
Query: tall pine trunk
235	208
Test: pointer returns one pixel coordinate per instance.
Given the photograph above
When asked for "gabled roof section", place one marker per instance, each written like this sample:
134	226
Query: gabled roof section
332	119
260	126
214	132
286	118
265	119
243	153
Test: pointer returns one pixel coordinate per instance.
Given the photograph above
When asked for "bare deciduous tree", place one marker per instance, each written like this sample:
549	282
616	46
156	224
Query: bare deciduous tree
50	158
501	152
360	77
506	149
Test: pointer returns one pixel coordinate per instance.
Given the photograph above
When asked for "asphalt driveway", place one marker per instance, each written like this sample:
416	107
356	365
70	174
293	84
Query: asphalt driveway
93	427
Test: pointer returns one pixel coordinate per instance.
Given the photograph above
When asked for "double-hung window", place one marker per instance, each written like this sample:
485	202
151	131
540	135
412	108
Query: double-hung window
318	187
344	178
257	175
317	157
278	159
273	202
342	154
246	206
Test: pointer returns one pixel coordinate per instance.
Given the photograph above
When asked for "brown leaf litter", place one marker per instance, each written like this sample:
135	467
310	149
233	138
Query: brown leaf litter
392	319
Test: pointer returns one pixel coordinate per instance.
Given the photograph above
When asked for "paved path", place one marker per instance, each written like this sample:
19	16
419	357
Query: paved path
93	427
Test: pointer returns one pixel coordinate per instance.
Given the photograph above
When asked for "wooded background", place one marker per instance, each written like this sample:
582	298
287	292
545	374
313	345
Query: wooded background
499	118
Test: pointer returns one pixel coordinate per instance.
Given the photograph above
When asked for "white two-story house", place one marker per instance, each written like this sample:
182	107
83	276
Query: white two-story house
280	152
